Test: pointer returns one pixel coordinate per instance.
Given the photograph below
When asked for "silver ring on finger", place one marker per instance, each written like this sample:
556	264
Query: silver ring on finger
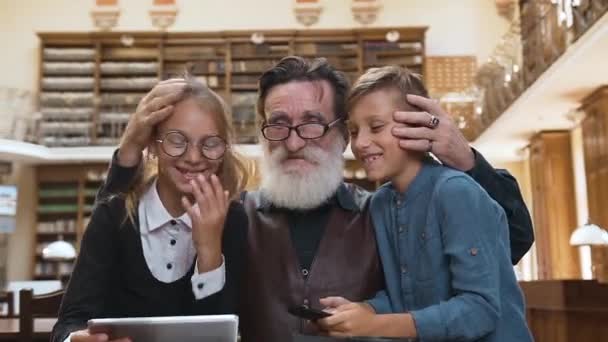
433	121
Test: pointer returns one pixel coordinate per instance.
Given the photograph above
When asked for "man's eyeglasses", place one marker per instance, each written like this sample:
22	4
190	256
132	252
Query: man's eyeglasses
175	144
307	131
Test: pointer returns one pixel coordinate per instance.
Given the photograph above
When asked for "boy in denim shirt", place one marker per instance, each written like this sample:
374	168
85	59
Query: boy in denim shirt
443	241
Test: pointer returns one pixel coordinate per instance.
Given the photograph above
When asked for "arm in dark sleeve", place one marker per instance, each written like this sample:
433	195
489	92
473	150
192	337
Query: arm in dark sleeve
234	244
119	179
88	293
503	188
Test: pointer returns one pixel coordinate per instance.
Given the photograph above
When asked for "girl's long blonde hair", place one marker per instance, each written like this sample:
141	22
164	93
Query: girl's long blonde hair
232	173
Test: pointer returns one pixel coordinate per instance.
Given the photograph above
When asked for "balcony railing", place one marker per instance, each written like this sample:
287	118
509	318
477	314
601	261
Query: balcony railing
542	33
17	117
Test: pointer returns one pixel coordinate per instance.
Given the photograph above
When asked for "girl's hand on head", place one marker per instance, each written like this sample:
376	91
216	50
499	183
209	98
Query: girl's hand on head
153	108
208	215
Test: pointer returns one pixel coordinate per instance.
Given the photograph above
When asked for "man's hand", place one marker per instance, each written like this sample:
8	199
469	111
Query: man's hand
442	138
155	107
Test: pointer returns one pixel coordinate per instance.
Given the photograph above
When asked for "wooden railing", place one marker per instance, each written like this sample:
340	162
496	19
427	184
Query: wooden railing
535	41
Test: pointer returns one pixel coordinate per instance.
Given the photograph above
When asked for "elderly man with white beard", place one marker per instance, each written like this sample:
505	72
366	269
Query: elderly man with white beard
310	234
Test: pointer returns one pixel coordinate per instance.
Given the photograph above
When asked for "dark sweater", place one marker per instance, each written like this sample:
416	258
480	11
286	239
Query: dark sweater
111	277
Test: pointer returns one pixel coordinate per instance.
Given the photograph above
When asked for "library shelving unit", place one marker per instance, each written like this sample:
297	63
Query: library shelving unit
91	82
66	194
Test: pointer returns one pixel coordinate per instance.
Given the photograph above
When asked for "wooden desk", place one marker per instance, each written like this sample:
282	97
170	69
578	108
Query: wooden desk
9	328
567	310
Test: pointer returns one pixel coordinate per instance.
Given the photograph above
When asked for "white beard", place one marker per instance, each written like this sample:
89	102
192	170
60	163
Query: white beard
295	190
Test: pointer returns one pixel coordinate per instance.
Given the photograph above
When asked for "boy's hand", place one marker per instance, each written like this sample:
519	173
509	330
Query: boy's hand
332	303
442	138
352	319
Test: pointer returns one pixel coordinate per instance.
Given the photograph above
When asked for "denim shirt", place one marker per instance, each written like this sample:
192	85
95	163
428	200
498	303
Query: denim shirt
444	246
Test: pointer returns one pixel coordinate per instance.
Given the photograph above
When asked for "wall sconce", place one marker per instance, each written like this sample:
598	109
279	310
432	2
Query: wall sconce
127	40
257	38
392	36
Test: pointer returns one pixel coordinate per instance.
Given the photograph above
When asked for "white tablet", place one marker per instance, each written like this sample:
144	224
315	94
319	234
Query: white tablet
213	328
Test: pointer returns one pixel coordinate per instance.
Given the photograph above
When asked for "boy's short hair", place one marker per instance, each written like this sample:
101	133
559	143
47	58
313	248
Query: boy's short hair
388	77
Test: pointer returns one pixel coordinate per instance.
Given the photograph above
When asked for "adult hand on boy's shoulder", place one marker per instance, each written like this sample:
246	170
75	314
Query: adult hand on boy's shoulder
421	133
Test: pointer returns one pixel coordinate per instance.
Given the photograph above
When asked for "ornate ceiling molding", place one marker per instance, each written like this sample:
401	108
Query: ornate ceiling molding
307	12
105	14
163	14
366	12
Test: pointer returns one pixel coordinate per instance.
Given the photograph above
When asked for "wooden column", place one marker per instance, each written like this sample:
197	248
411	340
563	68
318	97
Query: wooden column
595	145
554	205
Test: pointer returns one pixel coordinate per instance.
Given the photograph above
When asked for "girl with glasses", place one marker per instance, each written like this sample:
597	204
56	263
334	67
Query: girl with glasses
172	245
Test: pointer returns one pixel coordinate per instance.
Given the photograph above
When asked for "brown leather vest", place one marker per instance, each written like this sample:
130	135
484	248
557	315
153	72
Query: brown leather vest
346	264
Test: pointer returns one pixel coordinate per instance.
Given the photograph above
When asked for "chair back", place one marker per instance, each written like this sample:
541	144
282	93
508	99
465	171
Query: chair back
6	298
36	306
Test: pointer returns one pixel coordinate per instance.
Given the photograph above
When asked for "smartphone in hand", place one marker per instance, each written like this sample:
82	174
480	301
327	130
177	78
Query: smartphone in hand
310	314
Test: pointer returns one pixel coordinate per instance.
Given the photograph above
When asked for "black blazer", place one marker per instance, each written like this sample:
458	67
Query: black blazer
111	277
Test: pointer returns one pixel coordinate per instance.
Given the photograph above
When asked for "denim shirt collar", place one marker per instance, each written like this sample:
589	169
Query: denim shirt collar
420	181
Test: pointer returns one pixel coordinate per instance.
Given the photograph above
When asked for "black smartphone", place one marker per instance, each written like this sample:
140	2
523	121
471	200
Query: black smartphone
310	314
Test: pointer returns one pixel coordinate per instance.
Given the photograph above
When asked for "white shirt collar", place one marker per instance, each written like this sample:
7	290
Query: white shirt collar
156	215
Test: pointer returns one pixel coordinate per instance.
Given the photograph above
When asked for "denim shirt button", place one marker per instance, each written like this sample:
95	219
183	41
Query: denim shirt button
403	269
397	201
401	229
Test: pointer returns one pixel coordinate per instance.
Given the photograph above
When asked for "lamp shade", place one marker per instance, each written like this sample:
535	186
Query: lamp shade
589	234
59	250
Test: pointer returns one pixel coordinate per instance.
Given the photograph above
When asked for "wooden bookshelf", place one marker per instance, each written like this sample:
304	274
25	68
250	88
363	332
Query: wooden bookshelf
66	194
91	82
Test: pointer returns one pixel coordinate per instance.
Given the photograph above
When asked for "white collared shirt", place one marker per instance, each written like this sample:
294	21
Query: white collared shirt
168	247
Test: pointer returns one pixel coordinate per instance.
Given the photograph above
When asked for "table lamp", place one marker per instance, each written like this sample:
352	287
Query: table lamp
585	237
59	251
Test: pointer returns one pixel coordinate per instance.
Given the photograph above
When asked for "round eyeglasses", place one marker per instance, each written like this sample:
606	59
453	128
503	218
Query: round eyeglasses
175	144
307	131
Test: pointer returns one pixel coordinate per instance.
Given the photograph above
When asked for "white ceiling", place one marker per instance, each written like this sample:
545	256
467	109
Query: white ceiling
546	104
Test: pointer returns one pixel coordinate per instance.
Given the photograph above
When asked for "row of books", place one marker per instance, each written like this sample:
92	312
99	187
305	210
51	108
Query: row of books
50	269
57	226
77	68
